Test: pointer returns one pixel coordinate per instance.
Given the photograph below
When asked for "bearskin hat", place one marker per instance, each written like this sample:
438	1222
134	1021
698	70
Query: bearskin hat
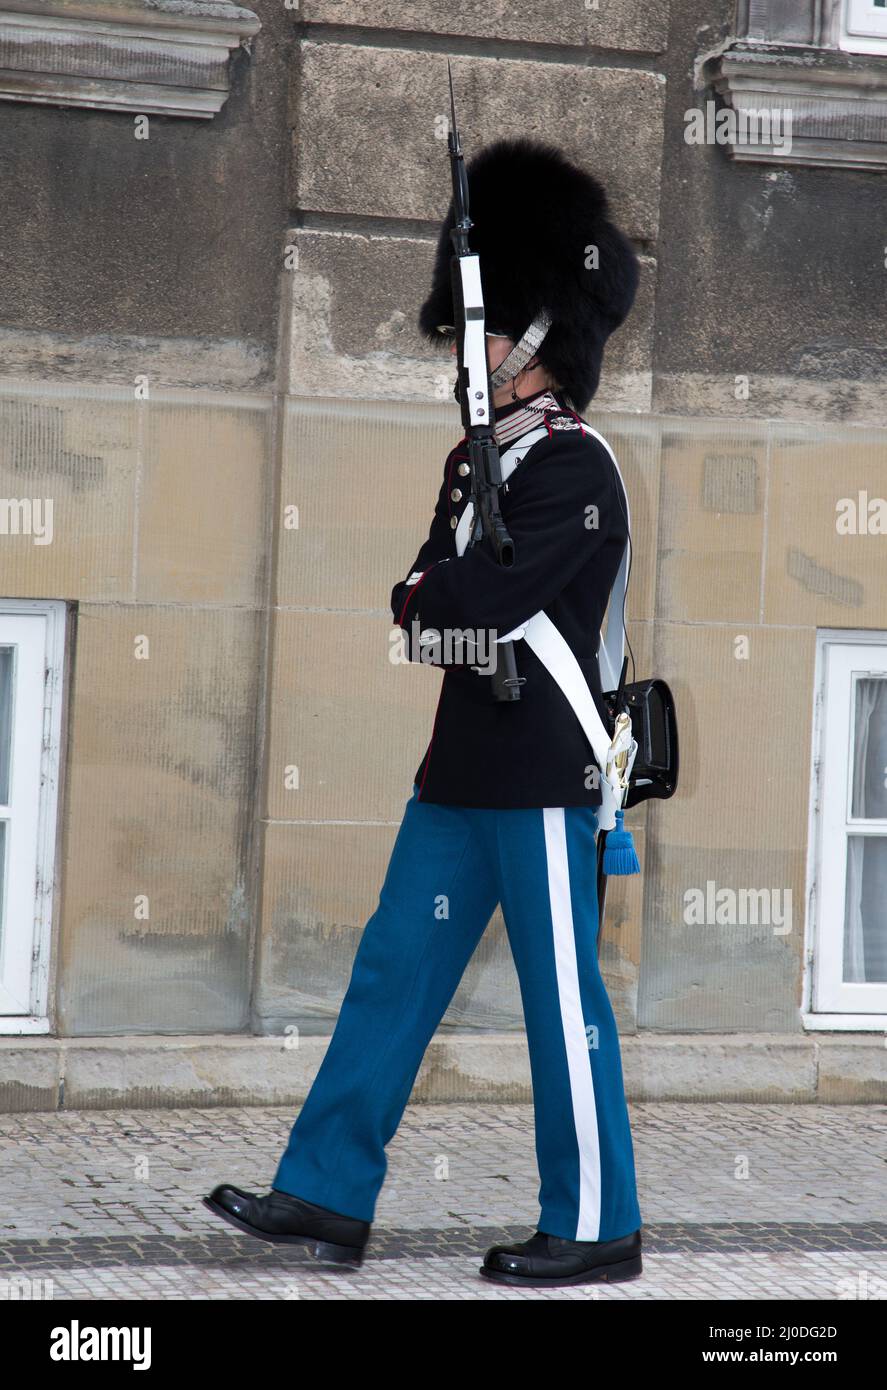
537	218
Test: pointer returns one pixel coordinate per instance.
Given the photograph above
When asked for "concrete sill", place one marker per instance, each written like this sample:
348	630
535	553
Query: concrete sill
147	57
837	101
159	1072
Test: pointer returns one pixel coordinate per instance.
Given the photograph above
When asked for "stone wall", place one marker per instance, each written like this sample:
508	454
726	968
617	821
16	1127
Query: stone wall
262	271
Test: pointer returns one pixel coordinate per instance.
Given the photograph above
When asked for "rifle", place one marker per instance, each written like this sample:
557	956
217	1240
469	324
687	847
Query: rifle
475	397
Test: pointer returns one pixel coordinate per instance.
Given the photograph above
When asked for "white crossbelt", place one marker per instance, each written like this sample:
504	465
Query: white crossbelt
555	653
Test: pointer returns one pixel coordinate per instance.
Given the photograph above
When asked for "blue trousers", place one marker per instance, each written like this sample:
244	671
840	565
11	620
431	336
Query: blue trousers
449	868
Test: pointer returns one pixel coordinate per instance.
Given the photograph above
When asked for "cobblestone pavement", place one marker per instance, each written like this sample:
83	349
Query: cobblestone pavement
738	1201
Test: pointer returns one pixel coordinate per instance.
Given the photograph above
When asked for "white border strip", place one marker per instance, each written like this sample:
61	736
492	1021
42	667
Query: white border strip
573	1022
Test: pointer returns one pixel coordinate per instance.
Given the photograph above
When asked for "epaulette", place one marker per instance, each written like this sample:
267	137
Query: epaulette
561	419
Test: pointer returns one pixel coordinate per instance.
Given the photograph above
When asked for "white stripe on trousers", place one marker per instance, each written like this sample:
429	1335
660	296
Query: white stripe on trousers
573	1023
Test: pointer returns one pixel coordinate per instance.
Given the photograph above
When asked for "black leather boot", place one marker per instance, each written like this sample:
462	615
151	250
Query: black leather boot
286	1220
545	1260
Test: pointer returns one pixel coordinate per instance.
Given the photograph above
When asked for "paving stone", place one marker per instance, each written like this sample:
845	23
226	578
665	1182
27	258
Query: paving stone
808	1222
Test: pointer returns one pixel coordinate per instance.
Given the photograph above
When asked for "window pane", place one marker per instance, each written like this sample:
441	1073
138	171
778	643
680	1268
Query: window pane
866	17
870	748
3	825
865	910
7	658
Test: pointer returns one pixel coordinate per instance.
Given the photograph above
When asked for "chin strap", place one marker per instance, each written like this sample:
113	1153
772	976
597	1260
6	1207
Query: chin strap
523	351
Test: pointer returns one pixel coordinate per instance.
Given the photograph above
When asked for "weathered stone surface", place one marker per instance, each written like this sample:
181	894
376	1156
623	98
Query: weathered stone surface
761	1067
816	574
212	455
821	395
72	456
736	822
354	725
616	24
157	904
711	521
108	465
635	440
120	359
157	1072
153	1073
372	122
30	1068
357	534
852	1070
314	915
175	236
353	302
772	274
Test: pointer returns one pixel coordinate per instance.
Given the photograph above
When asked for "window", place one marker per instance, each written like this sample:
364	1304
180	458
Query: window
847	877
31	650
864	27
788	58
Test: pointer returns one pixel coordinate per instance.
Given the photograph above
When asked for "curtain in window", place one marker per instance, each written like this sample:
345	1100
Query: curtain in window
865	916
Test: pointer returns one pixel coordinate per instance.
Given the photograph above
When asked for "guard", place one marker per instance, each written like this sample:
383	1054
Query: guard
508	797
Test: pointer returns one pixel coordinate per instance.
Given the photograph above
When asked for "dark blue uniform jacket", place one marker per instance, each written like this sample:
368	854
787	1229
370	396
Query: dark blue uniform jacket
564	509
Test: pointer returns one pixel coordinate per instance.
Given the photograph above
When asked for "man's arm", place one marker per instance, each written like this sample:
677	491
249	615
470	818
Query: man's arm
563	506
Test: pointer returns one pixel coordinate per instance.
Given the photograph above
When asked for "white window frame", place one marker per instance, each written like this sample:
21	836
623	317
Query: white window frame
37	628
829	1002
863	27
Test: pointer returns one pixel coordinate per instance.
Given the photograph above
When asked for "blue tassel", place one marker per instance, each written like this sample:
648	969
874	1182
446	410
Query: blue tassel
620	856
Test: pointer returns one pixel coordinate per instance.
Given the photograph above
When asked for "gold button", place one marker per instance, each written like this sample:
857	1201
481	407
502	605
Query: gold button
463	469
456	494
454	522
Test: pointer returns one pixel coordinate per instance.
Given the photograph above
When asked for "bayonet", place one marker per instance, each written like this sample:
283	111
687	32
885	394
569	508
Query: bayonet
476	394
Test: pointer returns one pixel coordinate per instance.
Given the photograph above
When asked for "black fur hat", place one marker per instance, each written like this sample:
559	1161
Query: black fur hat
536	216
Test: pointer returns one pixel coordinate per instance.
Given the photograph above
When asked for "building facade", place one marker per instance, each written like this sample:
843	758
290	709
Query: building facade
220	443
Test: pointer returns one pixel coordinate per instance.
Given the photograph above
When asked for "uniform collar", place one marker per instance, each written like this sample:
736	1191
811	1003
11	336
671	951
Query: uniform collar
518	417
